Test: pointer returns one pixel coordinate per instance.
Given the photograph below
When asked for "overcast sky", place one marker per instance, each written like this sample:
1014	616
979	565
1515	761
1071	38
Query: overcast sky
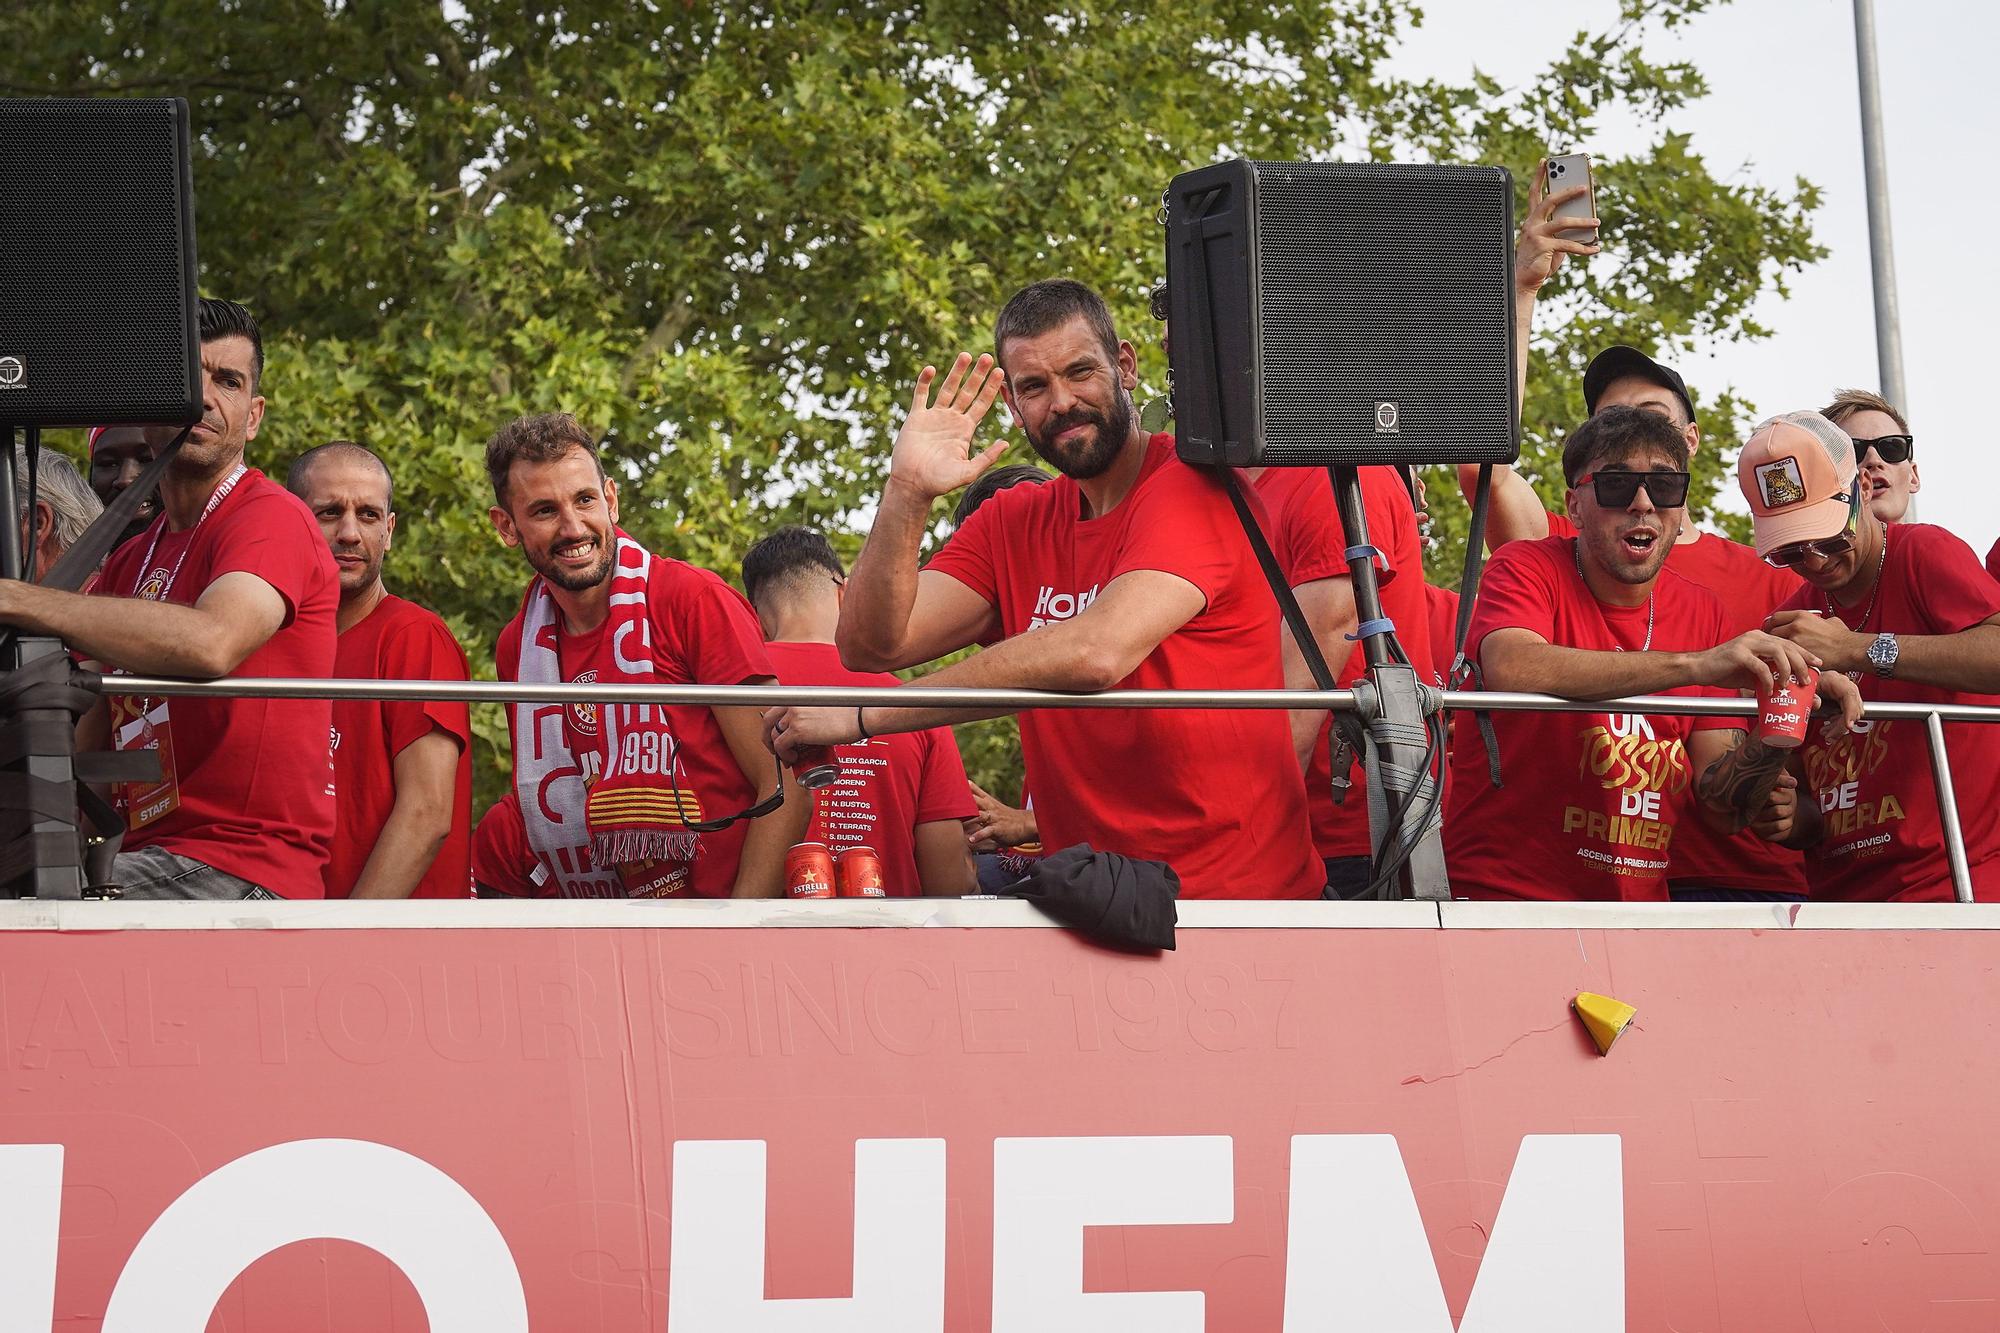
1783	103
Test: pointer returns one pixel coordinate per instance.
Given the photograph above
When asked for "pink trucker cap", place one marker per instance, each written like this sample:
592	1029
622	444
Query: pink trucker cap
1797	473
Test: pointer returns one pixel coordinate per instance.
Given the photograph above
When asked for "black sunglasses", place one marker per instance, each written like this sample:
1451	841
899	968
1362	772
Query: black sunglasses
1667	490
1889	448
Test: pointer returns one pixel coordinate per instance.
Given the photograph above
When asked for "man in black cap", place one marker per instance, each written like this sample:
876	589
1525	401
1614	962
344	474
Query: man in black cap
1706	865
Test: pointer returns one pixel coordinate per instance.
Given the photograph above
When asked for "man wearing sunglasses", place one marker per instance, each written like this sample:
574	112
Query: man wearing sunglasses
1707	864
1906	610
1884	448
1593	805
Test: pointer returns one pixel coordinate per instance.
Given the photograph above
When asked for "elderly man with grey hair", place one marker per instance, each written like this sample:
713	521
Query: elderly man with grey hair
64	507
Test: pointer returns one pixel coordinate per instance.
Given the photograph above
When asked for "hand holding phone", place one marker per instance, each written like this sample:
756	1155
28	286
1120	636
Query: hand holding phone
1566	173
1561	193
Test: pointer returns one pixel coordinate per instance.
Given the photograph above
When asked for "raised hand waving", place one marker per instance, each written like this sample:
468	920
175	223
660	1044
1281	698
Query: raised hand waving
933	450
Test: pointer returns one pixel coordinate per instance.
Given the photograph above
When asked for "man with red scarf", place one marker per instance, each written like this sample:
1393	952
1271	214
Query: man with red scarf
628	800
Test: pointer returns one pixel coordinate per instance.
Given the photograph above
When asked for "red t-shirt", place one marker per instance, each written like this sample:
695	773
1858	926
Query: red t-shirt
703	633
1993	560
888	784
1591	801
1311	543
248	782
398	640
1216	794
1749	591
1875	790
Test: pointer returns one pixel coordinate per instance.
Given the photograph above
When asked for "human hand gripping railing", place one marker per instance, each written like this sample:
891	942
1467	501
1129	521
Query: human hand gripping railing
1934	716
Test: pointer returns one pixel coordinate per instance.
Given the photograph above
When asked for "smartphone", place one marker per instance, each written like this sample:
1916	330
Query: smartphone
1572	169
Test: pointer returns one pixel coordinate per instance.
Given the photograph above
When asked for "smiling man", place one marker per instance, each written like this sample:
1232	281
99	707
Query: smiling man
1127	571
639	801
232	578
1591	803
402	770
1906	610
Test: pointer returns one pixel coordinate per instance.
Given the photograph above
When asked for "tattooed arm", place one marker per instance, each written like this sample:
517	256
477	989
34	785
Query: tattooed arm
1738	773
1747	784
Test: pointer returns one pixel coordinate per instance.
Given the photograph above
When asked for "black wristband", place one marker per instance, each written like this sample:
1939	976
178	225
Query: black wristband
860	725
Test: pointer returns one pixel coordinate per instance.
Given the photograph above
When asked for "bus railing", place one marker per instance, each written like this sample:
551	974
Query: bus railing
1933	716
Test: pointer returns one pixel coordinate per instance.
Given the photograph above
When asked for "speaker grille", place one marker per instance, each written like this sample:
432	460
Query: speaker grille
96	263
1384	284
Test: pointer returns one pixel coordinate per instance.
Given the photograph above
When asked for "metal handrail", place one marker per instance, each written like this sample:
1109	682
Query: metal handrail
1934	716
934	696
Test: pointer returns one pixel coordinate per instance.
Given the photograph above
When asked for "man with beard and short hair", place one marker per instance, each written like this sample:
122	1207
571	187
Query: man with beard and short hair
1884	448
231	579
1906	610
118	454
628	800
402	770
1591	803
1706	864
1129	570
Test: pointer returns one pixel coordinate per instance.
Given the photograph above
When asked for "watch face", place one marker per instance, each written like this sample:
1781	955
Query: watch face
1882	653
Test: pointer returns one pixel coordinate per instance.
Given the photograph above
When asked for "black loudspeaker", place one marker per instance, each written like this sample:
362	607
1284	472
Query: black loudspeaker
1328	313
97	267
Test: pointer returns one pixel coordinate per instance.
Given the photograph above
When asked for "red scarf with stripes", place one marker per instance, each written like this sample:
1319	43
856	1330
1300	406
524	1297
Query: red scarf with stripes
625	832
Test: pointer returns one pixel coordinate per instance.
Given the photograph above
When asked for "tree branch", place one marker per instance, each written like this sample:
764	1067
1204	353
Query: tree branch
657	340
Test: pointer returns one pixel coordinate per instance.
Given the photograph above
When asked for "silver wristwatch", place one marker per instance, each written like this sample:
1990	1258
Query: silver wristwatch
1882	655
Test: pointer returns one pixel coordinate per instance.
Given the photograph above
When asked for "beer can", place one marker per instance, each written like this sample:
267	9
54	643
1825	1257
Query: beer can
860	873
816	767
809	871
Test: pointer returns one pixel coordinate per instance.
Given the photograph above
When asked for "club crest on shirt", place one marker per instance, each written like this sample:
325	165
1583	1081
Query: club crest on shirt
155	586
1051	605
1779	482
583	716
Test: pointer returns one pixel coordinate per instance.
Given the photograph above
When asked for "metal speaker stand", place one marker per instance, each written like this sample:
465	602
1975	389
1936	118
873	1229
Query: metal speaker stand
1401	715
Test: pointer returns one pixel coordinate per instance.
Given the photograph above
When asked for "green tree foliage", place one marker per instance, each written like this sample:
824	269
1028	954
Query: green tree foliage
728	236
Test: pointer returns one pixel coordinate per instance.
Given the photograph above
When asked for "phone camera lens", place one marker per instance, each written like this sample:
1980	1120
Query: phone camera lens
1557	169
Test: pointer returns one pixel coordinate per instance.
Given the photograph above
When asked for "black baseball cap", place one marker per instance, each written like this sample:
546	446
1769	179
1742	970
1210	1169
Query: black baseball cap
1615	363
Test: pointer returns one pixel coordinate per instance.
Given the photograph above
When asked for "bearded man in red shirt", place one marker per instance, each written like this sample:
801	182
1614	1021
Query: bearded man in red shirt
1129	570
402	769
1906	610
628	800
1590	803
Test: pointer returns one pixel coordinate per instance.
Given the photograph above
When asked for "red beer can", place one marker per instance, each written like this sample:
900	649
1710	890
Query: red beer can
816	767
809	871
860	873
